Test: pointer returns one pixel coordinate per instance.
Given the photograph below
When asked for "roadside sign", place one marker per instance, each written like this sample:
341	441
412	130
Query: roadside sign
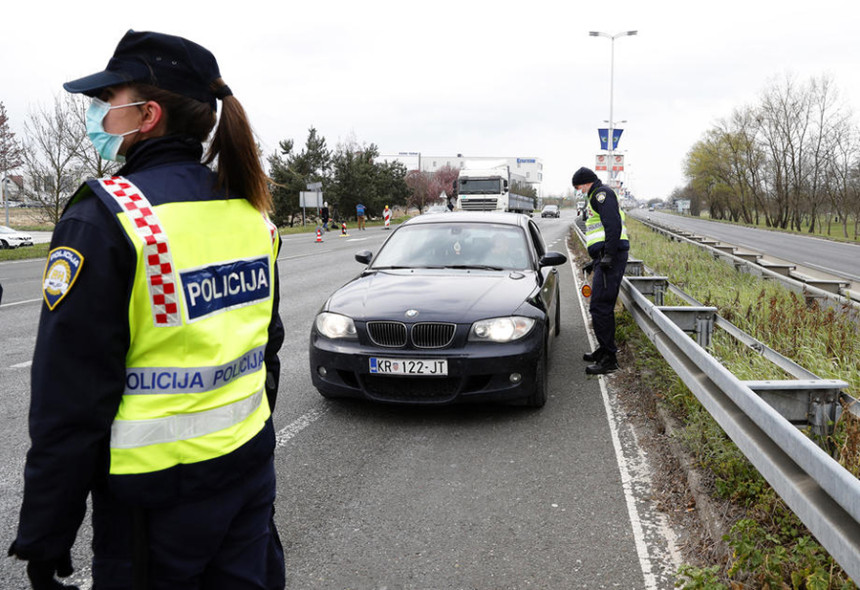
311	199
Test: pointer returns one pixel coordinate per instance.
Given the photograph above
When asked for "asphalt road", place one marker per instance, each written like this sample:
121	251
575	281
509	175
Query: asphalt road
377	497
839	258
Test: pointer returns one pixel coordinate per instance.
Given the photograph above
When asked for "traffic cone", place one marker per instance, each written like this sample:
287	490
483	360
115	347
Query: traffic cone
319	236
343	230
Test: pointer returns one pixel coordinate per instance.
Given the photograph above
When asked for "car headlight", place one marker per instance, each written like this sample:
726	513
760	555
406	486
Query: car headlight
334	325
505	329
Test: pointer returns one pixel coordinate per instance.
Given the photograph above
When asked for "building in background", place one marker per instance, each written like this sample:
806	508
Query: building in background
527	167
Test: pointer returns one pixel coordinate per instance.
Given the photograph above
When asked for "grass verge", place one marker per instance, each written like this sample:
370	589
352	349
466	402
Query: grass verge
769	546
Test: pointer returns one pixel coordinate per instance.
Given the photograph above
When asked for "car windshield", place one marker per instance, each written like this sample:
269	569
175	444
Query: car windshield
480	186
6	230
455	245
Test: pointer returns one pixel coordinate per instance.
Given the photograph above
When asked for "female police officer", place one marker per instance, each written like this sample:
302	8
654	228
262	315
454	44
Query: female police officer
155	369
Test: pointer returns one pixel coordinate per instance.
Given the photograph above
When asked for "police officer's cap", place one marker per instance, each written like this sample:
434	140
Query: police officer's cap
166	61
583	176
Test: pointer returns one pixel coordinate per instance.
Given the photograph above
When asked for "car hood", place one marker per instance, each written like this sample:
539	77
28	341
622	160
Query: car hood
453	296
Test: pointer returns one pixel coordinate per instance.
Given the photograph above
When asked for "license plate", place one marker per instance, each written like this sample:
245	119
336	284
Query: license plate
431	367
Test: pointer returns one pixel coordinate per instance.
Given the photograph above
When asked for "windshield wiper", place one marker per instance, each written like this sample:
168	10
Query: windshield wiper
474	266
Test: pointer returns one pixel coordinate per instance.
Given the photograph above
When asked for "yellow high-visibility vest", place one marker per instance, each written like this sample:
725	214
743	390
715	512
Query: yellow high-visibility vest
200	307
594	232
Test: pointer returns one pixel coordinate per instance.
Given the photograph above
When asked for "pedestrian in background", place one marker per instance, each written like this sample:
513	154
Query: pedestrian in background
324	216
359	213
154	377
608	247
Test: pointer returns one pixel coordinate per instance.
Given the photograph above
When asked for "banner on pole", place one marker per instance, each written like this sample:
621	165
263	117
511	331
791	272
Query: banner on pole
604	138
600	162
617	163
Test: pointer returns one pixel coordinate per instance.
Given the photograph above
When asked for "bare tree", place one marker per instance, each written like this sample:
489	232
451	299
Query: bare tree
421	188
11	152
52	165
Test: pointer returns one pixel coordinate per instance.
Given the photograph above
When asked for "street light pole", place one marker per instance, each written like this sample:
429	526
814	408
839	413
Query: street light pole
610	140
3	197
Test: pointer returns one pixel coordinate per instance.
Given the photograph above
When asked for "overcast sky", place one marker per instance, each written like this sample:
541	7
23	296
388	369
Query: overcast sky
479	78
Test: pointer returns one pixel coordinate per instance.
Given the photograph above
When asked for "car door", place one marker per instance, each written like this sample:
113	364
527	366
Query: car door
549	279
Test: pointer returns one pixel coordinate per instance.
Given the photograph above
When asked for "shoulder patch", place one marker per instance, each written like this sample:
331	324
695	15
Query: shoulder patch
601	196
61	270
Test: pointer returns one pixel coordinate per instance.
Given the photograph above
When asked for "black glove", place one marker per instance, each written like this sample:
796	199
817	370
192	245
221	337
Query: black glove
588	268
41	573
606	262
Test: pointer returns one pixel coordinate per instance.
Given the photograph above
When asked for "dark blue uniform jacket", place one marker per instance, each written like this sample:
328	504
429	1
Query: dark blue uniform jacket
609	211
78	372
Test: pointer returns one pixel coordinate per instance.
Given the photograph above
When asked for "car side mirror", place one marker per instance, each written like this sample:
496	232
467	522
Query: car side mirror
552	259
364	256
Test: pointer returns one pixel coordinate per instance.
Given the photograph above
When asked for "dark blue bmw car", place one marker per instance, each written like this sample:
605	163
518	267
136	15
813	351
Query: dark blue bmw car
453	308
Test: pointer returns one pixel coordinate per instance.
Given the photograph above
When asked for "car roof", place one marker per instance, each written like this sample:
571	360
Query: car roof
499	217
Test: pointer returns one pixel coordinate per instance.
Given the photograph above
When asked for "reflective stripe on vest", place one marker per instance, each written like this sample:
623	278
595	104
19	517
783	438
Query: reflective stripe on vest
129	434
156	250
195	389
170	380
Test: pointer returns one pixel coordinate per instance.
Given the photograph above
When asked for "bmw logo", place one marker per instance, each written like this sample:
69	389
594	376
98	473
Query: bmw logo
411	313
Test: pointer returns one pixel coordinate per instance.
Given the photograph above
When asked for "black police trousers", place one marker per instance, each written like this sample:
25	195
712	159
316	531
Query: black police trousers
604	293
227	541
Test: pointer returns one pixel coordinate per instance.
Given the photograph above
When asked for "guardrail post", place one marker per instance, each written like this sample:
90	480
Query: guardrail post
653	286
693	320
634	268
804	402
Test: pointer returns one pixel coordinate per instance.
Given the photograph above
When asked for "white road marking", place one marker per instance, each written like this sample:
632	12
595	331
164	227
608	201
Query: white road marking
648	525
21	365
289	431
20	302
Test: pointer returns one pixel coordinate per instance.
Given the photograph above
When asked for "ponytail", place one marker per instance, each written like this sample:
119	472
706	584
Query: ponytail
239	167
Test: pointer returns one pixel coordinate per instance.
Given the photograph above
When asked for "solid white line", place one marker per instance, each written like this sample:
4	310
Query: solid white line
20	302
289	431
623	465
21	365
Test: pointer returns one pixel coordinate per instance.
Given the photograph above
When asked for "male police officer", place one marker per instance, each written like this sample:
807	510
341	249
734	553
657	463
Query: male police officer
608	246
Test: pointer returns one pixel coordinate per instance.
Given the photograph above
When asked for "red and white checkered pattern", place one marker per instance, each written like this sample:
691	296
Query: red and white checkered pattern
273	229
156	250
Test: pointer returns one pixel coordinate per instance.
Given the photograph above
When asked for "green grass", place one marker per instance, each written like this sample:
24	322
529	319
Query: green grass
770	547
25	253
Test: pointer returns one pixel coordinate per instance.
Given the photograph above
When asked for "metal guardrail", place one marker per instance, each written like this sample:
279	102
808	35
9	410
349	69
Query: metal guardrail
823	494
832	291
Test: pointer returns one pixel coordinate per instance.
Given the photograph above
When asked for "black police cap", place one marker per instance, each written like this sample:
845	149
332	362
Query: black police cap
583	176
165	61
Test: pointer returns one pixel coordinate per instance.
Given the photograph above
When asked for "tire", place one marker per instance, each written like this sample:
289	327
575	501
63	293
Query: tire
538	397
3	245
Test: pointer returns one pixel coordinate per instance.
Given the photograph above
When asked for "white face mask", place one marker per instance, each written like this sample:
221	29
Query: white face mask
106	144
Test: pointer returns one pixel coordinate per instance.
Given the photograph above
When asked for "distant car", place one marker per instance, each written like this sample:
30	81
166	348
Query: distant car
550	211
453	308
12	238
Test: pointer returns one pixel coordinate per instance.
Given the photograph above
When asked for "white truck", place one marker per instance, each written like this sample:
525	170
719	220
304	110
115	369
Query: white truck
487	187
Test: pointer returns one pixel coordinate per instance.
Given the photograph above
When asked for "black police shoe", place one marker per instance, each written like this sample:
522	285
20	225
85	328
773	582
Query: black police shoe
593	357
607	364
